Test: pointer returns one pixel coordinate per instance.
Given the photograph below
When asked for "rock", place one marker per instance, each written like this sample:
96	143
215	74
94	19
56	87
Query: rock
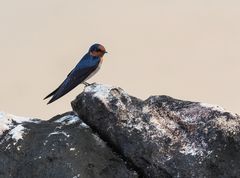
163	136
63	147
127	138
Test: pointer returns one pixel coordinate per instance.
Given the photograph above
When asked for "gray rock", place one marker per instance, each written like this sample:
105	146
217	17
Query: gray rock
63	147
163	136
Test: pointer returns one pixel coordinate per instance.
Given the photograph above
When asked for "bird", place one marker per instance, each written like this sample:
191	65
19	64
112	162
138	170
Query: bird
85	69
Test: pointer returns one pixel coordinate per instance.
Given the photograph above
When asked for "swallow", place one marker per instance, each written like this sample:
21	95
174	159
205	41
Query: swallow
85	69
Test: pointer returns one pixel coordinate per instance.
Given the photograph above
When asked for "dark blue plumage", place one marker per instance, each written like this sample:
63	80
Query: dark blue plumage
87	66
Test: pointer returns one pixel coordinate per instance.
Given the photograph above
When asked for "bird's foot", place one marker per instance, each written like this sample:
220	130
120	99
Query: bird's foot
86	84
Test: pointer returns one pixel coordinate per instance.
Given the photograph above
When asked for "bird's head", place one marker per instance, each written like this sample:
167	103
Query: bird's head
97	50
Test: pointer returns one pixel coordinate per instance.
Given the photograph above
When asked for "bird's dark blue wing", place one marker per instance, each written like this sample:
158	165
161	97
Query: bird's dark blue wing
83	69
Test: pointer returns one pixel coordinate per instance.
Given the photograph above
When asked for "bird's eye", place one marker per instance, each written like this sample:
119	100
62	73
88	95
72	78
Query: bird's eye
99	50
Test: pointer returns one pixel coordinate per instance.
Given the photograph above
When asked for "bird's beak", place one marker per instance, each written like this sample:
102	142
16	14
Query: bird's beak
105	52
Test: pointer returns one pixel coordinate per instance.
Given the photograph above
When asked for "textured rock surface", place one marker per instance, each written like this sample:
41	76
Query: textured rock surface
163	136
63	147
159	137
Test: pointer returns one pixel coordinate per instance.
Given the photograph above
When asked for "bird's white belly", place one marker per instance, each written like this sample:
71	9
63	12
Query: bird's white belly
95	71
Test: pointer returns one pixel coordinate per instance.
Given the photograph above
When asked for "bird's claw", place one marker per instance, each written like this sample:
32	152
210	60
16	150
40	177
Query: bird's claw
86	84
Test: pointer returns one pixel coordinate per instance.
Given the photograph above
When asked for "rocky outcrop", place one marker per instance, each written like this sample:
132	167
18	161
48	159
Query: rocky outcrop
163	136
111	134
63	147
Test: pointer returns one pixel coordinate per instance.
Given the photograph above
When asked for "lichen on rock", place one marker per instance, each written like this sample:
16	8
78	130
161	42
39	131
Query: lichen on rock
163	136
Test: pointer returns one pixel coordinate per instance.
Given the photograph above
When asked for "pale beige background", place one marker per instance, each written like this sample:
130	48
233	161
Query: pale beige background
185	49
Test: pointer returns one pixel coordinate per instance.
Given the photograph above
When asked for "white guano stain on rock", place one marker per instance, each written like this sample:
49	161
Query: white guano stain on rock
17	133
72	149
14	126
100	91
76	176
195	149
230	126
83	125
7	121
57	132
71	119
106	93
213	107
68	120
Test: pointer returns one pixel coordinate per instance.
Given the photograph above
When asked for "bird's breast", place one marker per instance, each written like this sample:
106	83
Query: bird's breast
96	70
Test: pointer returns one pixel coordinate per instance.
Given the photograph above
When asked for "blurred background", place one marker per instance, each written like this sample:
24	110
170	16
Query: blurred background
185	49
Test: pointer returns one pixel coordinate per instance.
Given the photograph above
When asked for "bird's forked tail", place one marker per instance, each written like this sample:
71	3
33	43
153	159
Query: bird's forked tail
51	94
